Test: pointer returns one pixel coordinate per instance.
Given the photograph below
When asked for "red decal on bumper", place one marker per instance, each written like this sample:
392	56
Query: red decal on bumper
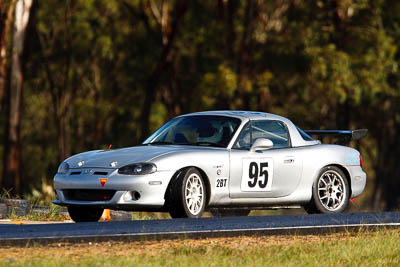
103	181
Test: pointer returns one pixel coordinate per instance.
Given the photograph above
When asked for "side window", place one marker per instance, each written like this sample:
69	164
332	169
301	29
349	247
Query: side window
304	135
244	139
273	130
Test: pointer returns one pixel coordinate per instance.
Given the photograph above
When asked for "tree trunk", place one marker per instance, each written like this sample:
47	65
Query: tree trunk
5	25
164	62
12	149
243	69
3	51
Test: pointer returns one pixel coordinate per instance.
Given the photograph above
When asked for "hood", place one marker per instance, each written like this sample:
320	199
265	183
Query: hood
122	157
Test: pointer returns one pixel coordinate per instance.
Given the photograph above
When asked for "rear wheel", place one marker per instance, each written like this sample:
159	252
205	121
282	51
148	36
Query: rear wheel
188	195
85	214
330	193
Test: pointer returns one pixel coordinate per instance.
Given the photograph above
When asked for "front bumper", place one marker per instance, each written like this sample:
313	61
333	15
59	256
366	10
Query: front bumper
128	192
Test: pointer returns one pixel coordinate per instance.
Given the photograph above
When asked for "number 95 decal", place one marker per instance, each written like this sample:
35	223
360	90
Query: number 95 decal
257	174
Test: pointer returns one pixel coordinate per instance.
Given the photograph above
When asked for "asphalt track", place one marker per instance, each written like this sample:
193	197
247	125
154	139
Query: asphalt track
195	228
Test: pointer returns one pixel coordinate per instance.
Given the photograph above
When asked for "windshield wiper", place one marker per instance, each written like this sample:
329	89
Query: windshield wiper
159	143
208	144
185	144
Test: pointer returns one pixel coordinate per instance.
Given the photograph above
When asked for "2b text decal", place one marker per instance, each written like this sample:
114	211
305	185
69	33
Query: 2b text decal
221	182
257	174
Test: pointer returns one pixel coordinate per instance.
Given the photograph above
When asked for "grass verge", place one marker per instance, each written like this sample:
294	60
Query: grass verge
53	214
381	248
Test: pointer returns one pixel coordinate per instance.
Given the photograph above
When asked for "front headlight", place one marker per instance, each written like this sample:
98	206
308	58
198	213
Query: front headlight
138	169
63	169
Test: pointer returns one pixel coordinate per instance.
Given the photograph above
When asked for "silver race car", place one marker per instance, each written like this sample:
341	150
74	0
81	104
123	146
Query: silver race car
226	162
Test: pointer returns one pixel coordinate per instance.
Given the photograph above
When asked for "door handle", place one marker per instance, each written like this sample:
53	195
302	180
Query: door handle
288	160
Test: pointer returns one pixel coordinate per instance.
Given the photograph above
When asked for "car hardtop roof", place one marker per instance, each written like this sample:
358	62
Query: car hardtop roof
252	115
297	140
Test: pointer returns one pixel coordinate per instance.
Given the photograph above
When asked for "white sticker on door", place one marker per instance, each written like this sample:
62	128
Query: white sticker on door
257	175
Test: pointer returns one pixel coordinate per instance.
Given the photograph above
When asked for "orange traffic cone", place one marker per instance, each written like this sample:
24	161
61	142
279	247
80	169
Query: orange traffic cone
106	215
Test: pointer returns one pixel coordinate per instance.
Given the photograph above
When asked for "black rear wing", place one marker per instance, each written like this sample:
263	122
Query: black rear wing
344	135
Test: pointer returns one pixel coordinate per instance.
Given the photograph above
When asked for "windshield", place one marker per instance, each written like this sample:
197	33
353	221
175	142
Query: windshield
198	130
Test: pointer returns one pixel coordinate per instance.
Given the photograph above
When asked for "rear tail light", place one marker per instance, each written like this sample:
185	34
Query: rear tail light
361	161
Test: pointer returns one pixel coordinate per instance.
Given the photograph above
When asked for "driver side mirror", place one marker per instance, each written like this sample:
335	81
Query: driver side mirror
261	143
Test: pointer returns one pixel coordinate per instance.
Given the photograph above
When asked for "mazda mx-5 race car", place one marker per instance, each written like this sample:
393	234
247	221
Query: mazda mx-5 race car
227	162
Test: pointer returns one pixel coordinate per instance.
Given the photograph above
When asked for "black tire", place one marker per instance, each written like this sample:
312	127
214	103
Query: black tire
185	203
330	192
85	214
229	212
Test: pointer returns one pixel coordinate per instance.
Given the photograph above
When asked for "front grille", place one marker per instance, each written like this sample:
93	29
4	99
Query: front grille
88	194
75	173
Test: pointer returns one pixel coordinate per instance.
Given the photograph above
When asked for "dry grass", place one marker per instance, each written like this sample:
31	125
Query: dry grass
355	249
152	248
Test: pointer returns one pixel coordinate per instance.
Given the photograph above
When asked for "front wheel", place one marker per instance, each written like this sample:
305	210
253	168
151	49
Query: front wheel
330	192
188	195
85	214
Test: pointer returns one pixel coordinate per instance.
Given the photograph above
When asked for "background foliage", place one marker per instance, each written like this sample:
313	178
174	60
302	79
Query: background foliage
99	72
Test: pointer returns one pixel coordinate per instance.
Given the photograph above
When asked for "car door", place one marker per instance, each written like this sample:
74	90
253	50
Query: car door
275	172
